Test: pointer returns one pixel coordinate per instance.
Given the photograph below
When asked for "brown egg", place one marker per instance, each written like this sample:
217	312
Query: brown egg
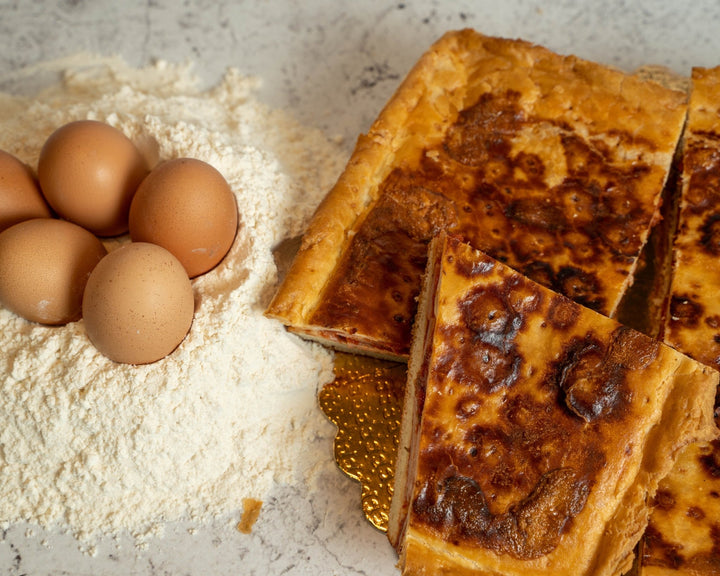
138	304
20	197
88	173
186	206
44	266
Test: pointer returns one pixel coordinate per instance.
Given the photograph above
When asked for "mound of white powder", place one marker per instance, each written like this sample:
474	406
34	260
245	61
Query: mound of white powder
97	448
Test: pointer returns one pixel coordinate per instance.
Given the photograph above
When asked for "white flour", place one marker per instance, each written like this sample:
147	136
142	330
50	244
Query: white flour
98	448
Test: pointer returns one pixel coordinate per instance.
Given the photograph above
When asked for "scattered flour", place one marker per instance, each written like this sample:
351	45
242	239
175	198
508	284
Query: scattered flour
97	448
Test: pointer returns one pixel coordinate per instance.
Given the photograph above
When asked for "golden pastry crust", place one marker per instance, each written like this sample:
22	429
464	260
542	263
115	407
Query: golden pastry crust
693	319
550	163
534	429
683	536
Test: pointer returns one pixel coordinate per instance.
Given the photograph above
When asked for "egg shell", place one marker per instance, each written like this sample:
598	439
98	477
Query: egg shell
20	196
186	206
44	267
88	172
138	304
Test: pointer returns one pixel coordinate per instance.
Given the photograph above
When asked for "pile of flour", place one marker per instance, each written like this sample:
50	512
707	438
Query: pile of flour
98	448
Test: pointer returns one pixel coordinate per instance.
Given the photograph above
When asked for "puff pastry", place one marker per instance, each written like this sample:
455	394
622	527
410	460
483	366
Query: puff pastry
683	536
534	429
693	319
549	163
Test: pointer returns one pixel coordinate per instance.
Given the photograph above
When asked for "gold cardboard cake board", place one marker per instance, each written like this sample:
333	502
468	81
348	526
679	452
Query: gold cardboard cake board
365	403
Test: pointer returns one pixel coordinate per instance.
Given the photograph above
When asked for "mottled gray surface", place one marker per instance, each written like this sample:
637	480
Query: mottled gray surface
333	64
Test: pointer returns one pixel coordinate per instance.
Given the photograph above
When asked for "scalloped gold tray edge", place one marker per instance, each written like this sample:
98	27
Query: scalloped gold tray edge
364	401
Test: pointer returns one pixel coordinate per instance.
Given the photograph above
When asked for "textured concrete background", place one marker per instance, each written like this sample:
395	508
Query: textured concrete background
333	64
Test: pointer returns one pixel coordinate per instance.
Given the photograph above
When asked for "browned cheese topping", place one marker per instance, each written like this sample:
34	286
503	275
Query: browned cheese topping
511	446
693	323
558	230
684	529
550	164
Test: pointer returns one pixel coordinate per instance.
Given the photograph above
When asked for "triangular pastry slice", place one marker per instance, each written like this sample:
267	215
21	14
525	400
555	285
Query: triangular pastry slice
534	429
549	163
683	537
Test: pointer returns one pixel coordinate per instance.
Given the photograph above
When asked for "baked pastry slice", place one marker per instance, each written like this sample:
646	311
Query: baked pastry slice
551	164
693	320
534	429
684	532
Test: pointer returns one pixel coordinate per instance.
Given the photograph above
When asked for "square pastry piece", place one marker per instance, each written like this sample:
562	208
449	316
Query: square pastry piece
549	163
683	537
534	429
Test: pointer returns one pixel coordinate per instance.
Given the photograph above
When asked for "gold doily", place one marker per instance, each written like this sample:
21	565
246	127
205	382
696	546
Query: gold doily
365	403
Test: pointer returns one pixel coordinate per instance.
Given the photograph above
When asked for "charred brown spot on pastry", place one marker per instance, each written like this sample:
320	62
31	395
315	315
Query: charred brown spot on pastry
531	246
482	133
595	201
530	166
606	205
580	378
685	311
467	407
695	512
538	437
579	285
562	313
409	203
523	297
664	500
519	453
592	374
533	214
631	140
491	319
632	350
617	198
620	237
488	314
578	200
715	536
702	163
548	511
660	552
710	462
481	366
582	160
540	272
529	529
710	230
472	267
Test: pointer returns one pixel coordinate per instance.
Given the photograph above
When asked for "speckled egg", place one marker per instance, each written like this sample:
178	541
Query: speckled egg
89	172
186	206
20	196
138	304
44	266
